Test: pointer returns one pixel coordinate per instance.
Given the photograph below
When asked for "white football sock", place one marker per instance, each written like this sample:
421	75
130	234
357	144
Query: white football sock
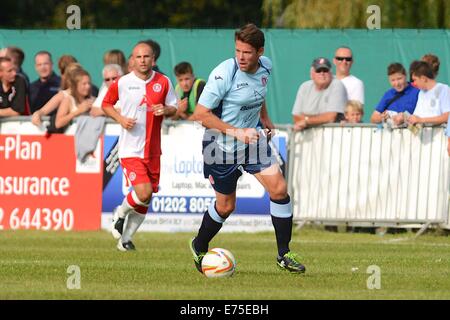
132	224
125	208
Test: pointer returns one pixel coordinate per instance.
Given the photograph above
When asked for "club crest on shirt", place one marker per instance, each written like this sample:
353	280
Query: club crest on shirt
264	80
132	176
157	87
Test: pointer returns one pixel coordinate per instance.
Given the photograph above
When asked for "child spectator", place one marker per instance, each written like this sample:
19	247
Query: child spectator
400	98
433	61
433	103
188	90
353	112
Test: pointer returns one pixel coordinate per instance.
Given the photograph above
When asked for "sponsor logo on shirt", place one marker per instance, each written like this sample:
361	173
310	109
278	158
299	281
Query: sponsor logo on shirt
218	78
253	106
134	88
243	84
144	100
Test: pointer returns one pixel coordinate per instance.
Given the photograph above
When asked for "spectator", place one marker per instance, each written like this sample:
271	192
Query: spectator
78	102
447	133
433	102
400	98
188	90
52	105
12	91
116	56
63	62
320	100
17	57
433	61
130	64
343	60
48	84
111	72
354	112
157	52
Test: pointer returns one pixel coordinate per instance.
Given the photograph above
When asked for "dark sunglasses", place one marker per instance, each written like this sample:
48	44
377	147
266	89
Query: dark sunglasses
344	58
110	79
322	70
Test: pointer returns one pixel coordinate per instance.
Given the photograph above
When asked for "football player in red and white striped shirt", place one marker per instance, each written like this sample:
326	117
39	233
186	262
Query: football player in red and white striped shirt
145	98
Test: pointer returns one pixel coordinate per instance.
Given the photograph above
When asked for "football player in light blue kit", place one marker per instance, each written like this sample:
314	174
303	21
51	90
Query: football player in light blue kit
232	108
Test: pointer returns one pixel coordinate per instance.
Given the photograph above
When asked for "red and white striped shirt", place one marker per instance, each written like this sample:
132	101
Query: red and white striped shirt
136	99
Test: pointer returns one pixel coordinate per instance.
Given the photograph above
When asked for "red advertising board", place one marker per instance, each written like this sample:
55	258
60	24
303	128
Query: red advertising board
44	187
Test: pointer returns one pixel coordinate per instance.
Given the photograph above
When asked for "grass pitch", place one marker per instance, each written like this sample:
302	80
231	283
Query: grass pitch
33	265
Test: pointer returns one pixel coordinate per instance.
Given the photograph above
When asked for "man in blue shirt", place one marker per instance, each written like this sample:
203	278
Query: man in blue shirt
400	98
232	108
48	84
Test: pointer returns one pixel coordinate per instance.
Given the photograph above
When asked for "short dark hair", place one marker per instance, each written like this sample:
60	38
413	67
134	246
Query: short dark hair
18	54
396	68
421	68
43	52
183	68
155	47
250	34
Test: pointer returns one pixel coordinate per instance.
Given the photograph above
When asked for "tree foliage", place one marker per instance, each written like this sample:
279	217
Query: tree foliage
126	14
353	13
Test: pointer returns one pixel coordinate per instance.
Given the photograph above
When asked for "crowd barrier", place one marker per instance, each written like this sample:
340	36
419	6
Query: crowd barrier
368	176
360	175
43	186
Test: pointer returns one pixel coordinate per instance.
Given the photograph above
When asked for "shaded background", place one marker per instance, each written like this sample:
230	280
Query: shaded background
201	32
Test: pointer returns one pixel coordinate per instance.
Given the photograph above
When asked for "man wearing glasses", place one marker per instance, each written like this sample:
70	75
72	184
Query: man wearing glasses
110	73
320	100
343	60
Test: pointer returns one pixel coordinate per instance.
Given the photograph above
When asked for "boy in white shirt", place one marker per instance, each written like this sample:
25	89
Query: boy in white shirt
433	103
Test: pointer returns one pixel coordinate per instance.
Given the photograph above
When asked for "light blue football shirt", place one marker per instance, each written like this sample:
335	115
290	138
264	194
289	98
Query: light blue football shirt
447	129
236	97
